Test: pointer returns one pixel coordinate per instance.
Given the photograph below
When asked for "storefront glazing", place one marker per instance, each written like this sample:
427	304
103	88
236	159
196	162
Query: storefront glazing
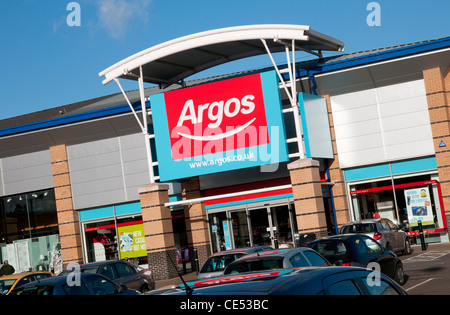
29	231
272	225
405	200
114	232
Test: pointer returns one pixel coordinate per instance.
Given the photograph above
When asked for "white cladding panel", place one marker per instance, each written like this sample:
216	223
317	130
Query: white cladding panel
25	173
382	124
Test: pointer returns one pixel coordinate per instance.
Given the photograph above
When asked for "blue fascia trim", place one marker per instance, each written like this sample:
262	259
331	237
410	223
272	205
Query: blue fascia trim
382	170
374	57
54	122
242	202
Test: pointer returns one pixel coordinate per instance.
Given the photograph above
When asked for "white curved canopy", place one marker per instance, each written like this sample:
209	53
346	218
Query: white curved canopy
174	60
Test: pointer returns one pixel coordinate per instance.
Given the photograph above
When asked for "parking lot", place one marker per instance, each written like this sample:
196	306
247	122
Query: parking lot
428	272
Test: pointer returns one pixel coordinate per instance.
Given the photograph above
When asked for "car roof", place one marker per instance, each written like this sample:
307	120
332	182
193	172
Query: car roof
264	282
338	237
24	274
364	221
282	252
239	250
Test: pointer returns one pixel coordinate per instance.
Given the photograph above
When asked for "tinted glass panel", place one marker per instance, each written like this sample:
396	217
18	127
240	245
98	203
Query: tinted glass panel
346	287
100	285
315	259
218	263
380	288
298	260
335	251
359	228
245	266
76	289
124	269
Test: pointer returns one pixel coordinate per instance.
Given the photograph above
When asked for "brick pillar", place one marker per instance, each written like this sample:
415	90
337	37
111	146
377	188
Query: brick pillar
158	230
308	198
196	220
68	219
437	87
339	189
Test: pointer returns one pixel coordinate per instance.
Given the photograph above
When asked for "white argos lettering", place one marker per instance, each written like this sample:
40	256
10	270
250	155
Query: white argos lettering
216	110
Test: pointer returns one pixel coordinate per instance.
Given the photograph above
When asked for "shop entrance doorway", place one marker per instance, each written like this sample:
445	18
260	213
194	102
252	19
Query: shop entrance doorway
268	225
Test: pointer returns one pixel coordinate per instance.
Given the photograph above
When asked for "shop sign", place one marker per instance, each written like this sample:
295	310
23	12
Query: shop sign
219	126
132	241
418	206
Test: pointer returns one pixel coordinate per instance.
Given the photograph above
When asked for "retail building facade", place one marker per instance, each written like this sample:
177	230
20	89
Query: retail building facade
75	183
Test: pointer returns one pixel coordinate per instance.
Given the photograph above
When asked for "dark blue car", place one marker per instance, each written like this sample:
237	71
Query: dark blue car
302	281
74	284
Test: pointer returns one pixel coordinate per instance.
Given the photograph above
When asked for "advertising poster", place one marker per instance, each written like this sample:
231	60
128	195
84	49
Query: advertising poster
418	206
132	241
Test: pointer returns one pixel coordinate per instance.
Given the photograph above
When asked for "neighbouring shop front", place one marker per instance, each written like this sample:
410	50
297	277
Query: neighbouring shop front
29	233
404	198
114	232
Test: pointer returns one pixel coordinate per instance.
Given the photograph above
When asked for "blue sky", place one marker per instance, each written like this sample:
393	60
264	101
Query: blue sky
46	63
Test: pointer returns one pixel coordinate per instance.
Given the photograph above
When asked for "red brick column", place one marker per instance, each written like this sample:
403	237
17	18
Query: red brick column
158	230
437	86
68	219
308	198
196	220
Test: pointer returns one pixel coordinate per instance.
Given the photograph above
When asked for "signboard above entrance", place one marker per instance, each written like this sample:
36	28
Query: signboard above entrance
219	126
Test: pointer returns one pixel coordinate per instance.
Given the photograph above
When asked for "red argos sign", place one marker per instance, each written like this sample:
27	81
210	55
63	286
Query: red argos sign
203	127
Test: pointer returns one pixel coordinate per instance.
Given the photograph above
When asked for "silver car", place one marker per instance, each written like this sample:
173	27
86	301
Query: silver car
276	259
384	231
216	263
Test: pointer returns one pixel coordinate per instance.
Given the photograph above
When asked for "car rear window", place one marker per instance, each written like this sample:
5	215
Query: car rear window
255	265
359	228
333	250
218	263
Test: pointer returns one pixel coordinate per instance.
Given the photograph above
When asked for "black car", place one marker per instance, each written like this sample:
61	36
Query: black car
359	250
121	272
74	284
299	281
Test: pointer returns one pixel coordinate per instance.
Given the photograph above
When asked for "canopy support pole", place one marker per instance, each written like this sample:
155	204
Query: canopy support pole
143	124
291	93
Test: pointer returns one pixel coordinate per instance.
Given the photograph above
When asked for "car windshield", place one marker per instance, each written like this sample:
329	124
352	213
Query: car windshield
333	250
5	285
218	263
359	228
255	265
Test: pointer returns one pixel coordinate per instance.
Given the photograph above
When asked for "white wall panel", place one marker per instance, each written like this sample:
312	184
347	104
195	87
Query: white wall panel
382	124
107	171
26	172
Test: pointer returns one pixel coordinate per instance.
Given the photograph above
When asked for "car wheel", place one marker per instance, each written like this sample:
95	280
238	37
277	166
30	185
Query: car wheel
399	276
407	249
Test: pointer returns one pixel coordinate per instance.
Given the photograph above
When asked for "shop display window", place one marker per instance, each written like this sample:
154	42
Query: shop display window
405	201
29	233
122	238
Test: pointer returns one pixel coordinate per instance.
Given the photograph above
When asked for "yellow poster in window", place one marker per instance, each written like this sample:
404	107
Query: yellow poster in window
132	241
